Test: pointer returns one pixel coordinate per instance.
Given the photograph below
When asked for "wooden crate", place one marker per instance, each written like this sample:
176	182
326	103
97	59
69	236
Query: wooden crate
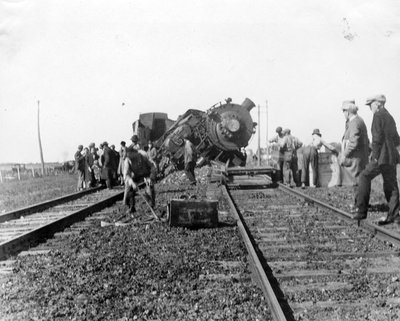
193	213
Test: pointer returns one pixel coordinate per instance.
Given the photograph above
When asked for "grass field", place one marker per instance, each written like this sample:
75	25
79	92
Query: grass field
18	194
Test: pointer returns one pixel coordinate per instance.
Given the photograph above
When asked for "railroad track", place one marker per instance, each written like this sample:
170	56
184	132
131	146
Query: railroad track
24	228
215	284
314	262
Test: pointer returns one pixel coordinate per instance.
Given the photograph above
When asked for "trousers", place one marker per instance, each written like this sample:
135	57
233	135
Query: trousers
189	171
390	187
310	156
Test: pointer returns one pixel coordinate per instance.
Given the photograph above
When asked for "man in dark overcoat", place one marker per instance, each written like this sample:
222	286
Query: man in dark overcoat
355	142
108	165
383	160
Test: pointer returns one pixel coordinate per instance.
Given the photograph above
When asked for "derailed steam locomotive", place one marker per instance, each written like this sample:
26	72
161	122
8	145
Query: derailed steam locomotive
218	134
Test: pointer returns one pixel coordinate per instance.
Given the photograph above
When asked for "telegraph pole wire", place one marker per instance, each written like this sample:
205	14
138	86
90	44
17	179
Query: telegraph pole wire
259	135
40	142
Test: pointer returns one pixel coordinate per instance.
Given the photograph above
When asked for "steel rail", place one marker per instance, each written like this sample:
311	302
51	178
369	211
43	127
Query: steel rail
276	309
380	232
12	215
28	239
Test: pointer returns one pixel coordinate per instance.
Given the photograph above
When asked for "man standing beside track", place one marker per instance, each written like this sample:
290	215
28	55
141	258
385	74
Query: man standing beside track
278	139
355	144
383	160
108	165
80	167
310	156
289	147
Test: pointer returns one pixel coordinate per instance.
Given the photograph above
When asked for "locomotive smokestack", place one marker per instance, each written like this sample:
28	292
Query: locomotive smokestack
248	104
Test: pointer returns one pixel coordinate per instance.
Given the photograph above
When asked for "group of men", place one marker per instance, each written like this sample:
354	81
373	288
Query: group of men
135	166
383	159
364	161
296	158
96	165
288	146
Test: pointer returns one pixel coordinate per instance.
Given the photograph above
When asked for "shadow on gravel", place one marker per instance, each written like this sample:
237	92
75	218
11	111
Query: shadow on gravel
287	310
378	207
226	224
169	191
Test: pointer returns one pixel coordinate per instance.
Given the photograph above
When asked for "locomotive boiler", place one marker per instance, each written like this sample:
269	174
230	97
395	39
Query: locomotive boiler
218	134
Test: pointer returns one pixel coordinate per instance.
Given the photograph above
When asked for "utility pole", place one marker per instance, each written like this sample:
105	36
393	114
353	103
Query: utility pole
40	142
259	147
267	142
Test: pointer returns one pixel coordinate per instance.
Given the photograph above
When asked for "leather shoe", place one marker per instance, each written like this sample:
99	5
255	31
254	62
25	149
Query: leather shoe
353	209
359	216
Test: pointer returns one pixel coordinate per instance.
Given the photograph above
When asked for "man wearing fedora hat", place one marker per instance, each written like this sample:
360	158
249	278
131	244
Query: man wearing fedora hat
310	156
355	143
383	160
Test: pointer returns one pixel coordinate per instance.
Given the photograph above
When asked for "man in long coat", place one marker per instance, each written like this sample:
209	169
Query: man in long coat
108	165
310	157
80	167
355	142
383	160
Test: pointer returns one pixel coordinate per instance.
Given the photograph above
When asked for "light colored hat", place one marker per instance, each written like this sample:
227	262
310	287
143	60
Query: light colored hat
380	98
286	131
350	106
346	103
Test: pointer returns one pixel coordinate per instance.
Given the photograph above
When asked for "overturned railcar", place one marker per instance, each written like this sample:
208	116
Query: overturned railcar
151	126
218	134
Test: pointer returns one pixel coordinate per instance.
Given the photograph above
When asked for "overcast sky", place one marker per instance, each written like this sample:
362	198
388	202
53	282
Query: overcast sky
96	65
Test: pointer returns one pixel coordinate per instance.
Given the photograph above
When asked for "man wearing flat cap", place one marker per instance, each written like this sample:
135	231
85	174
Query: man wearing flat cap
278	139
289	147
355	144
383	160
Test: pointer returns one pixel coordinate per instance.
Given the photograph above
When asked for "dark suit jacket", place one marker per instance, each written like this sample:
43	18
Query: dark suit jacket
385	138
108	155
79	161
356	140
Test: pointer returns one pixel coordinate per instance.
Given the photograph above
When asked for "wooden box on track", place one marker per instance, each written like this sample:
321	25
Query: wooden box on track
193	213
